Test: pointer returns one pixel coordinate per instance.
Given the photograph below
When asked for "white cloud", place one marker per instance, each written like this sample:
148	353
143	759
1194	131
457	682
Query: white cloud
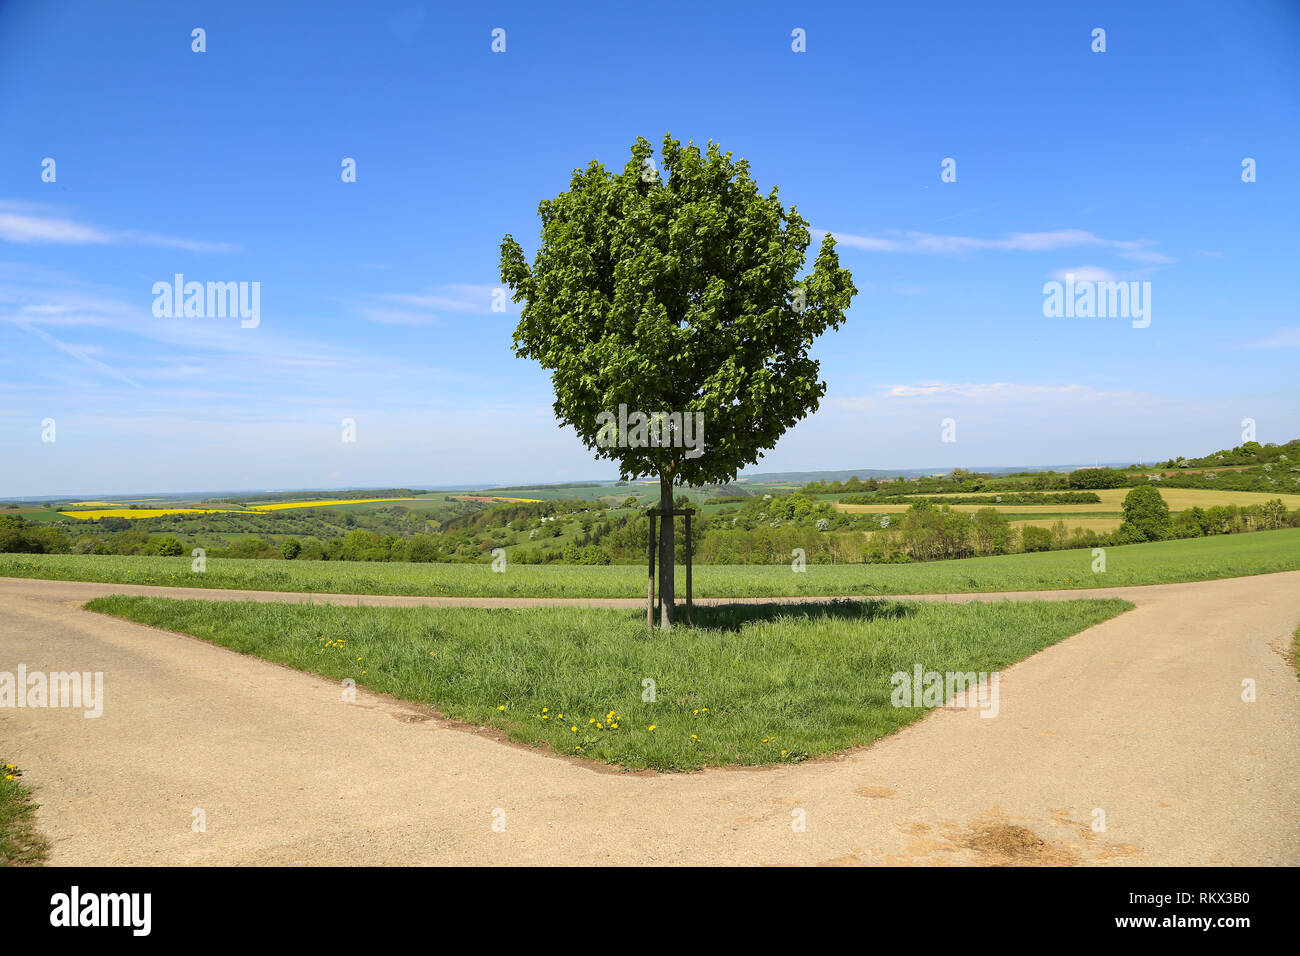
1004	392
423	308
1288	338
1085	274
18	226
932	244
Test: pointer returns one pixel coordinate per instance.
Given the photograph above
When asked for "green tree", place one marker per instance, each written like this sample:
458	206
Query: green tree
676	291
1146	516
1034	538
290	549
169	547
1096	478
991	530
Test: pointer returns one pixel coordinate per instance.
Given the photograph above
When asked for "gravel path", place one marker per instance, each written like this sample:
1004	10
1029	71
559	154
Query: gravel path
1140	717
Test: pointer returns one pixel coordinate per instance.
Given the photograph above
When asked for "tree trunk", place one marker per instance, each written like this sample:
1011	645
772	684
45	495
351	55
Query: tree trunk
667	610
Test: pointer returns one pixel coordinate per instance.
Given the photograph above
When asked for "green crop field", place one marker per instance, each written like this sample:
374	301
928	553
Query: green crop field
749	685
1192	559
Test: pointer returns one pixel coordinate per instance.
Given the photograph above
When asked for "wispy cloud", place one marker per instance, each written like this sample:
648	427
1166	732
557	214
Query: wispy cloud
1287	338
1003	392
1085	274
19	225
425	308
1138	250
80	353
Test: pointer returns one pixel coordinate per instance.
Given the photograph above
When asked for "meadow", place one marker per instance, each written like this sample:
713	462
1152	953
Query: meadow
1102	517
1160	562
1112	500
20	842
748	685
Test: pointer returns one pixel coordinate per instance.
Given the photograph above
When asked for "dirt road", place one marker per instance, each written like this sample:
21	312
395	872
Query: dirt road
1140	718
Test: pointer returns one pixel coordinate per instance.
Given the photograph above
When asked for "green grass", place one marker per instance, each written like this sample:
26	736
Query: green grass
811	679
20	843
1163	562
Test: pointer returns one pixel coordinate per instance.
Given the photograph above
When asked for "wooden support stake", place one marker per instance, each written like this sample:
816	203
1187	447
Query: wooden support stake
689	605
650	588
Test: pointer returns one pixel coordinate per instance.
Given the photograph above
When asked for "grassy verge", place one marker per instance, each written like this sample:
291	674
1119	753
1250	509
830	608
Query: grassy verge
1162	562
750	684
20	843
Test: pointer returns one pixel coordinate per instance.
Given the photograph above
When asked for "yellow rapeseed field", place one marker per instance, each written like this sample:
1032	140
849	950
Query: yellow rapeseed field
146	512
323	503
1112	499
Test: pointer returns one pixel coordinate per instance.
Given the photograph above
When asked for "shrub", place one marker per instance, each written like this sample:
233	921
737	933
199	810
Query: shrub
1034	538
1146	516
169	547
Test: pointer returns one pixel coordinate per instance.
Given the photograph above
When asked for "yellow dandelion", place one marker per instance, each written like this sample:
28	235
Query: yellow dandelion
652	727
502	707
574	728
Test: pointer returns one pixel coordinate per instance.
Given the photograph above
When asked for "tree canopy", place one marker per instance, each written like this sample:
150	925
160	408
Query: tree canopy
675	293
677	290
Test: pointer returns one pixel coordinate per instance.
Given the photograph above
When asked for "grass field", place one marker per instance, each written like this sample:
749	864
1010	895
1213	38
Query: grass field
1112	500
1100	524
1162	562
20	843
750	685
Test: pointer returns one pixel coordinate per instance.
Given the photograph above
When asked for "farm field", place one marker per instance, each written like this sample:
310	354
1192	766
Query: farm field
750	685
1191	559
92	514
1112	500
1102	524
324	503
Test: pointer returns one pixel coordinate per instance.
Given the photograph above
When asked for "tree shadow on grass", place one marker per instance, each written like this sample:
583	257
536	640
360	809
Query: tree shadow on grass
732	617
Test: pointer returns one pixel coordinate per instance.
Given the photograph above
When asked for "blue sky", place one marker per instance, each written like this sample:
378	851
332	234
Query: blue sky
375	295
